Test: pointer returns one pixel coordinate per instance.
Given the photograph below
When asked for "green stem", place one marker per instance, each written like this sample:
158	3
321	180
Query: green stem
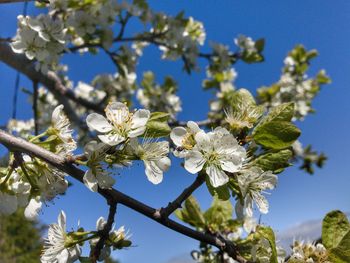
70	244
23	168
38	136
80	162
7	176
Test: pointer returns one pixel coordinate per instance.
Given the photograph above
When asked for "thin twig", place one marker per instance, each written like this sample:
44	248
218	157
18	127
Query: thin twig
172	206
15	95
35	107
104	233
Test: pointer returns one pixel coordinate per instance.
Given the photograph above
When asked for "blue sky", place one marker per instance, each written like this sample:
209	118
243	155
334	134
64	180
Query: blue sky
322	24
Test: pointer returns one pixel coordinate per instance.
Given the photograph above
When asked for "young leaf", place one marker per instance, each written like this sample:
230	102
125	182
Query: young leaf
276	134
273	161
334	227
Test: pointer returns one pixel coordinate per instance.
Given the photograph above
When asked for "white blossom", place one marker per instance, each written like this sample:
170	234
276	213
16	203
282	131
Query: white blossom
55	245
82	23
253	182
48	28
60	124
217	152
33	208
96	176
183	138
88	92
106	250
195	30
120	123
154	156
246	43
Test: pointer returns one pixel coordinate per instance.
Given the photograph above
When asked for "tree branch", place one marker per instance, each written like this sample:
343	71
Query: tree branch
172	206
104	234
50	80
35	108
114	196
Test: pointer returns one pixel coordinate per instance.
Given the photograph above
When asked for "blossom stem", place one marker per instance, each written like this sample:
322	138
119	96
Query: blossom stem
71	244
104	233
7	176
38	136
23	168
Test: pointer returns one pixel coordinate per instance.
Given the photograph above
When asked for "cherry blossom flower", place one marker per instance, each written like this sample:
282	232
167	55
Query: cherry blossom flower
96	176
60	123
183	138
253	182
55	246
217	152
154	156
120	123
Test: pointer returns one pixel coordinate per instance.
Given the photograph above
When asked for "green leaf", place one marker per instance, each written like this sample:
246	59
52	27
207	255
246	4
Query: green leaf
155	129
341	253
159	116
273	161
283	112
268	233
222	192
260	44
219	212
276	134
191	213
334	227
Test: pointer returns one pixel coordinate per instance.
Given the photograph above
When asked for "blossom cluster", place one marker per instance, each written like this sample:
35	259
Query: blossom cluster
63	246
159	97
30	182
294	84
42	38
121	129
308	253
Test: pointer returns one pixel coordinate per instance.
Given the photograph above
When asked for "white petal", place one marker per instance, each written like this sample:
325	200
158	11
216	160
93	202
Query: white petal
137	132
98	122
111	139
104	180
62	220
177	135
261	202
117	112
57	113
32	210
203	140
194	162
18	46
249	224
74	253
90	181
249	206
140	118
163	164
231	164
217	176
153	172
100	223
63	256
193	127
